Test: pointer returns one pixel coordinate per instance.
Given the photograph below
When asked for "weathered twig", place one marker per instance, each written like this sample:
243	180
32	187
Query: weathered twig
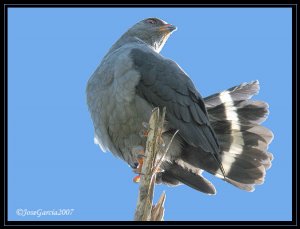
157	213
145	211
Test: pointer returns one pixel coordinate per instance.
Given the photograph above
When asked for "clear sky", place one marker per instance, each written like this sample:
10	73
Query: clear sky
52	161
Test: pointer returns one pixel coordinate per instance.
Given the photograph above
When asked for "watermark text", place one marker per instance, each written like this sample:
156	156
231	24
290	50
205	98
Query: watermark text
41	212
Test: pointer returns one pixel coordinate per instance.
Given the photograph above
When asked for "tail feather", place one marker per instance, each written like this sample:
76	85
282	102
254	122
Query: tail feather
175	173
243	141
246	171
244	91
246	187
245	112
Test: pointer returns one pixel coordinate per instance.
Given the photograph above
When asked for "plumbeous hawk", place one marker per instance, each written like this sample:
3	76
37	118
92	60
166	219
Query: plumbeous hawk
220	134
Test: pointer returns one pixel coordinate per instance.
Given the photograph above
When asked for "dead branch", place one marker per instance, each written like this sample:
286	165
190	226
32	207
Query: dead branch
145	210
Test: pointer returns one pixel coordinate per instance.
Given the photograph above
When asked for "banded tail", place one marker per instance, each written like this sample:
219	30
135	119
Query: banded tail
244	143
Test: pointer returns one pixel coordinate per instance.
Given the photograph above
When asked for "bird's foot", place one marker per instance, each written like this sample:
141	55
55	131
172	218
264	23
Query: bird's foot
137	179
139	152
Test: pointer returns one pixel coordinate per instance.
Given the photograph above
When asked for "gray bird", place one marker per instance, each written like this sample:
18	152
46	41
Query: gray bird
220	134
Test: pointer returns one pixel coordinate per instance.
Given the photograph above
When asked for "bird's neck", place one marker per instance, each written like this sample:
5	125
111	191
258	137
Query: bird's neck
126	39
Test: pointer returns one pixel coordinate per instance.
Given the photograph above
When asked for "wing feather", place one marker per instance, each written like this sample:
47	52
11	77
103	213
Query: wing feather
164	83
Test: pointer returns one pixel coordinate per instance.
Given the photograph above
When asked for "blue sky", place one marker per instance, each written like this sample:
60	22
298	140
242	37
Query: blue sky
52	161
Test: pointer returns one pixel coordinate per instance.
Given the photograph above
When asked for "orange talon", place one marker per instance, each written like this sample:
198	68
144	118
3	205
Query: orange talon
139	153
137	179
138	170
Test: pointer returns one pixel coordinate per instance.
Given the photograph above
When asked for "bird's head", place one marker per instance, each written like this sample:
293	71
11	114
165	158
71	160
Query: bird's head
153	31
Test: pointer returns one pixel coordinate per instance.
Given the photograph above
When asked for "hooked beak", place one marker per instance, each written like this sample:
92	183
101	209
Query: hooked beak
167	28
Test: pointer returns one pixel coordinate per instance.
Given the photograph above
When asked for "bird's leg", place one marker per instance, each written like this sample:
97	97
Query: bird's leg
139	153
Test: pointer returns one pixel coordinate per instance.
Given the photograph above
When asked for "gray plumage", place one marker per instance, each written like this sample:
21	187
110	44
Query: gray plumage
220	134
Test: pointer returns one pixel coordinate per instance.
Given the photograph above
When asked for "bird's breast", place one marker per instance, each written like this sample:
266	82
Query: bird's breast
118	112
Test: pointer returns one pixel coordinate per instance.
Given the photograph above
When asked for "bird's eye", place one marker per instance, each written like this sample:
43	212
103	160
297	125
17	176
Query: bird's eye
151	21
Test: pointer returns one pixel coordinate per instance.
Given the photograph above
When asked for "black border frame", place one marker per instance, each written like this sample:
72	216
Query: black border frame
171	223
